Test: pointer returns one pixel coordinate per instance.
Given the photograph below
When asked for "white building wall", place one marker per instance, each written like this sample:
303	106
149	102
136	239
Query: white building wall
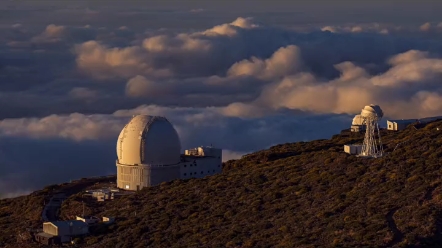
63	228
200	162
200	167
204	151
357	128
141	176
159	174
209	152
391	125
132	177
353	149
50	228
108	220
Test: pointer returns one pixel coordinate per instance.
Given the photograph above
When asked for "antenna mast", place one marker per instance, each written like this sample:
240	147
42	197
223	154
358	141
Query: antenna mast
372	146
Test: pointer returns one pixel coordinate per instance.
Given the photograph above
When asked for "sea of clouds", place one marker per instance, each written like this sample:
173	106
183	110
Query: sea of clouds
68	87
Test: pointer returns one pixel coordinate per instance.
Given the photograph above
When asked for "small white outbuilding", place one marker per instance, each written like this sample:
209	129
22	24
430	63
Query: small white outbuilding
353	149
66	229
397	125
108	220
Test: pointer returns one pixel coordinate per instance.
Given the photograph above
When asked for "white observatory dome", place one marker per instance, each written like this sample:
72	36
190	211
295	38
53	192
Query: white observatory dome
357	120
372	111
148	140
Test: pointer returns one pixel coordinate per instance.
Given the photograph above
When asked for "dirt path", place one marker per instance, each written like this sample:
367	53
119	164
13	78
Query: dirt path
397	234
52	206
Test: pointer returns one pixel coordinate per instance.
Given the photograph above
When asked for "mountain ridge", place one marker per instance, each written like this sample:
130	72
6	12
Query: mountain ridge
303	194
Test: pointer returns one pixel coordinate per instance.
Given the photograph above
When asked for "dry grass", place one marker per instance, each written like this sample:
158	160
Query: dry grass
305	194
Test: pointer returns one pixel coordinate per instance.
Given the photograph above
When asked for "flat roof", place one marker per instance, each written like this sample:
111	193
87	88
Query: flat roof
195	157
68	223
86	216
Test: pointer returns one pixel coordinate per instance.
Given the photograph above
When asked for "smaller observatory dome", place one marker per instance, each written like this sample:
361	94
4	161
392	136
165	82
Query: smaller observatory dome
358	120
372	111
148	140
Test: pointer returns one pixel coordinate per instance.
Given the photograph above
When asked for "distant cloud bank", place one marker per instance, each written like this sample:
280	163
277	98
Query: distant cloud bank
67	90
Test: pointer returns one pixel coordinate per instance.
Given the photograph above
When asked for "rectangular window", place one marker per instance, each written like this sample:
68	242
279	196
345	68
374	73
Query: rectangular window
127	186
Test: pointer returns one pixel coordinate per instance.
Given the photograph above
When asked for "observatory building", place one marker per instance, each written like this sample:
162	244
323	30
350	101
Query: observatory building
372	145
149	153
358	125
397	125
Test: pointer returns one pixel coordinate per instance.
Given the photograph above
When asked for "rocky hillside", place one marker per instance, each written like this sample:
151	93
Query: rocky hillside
305	194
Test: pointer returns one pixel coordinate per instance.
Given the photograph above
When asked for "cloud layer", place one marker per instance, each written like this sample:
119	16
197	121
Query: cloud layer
68	86
59	148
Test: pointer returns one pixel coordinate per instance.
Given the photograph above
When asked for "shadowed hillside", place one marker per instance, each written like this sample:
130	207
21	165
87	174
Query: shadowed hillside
304	194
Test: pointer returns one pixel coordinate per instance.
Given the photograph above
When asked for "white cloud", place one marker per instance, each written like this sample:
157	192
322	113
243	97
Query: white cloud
425	27
75	126
356	29
243	110
329	28
104	63
192	123
17	25
370	27
231	29
239	85
52	33
140	86
162	56
181	43
356	88
197	10
57	148
285	61
407	57
384	31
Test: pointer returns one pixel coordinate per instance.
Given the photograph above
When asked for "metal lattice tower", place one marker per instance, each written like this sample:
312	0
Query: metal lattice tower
372	146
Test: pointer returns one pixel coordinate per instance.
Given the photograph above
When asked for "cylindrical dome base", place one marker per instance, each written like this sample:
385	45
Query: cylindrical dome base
136	177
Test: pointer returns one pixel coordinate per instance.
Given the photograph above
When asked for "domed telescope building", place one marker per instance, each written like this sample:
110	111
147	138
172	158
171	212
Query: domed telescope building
149	153
358	125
